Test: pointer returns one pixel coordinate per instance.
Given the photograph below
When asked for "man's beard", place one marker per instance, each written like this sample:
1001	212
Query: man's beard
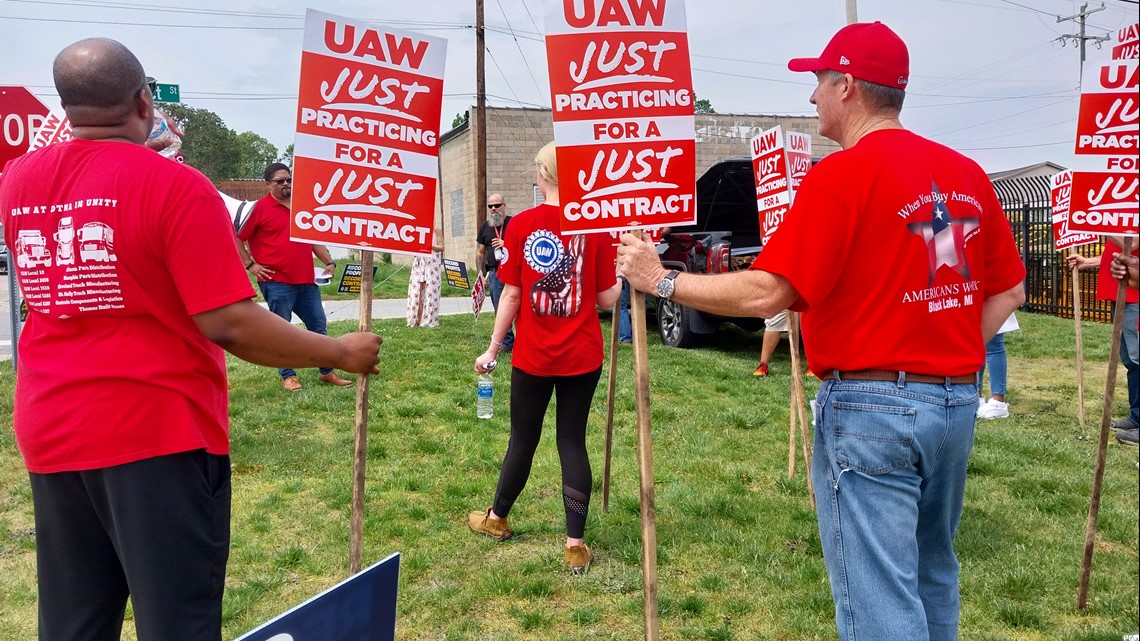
496	218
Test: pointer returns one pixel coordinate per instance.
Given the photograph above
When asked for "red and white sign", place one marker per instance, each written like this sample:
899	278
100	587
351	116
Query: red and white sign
54	129
770	167
622	94
798	154
1061	191
21	114
365	159
478	294
1106	180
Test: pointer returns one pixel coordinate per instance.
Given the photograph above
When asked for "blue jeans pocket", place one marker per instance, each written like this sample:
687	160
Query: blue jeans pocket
873	439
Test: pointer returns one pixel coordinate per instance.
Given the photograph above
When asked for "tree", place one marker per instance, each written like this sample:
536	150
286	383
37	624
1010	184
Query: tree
703	106
287	156
208	145
254	153
459	119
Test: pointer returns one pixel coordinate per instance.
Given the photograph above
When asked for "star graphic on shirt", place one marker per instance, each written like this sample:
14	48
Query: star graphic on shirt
945	236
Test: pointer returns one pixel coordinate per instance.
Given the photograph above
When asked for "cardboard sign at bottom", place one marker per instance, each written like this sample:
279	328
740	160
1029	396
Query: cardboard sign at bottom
360	608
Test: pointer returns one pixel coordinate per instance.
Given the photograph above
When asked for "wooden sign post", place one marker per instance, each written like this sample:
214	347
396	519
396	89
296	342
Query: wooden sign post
611	389
366	166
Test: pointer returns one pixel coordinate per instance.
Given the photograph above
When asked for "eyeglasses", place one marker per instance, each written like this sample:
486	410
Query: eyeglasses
282	181
494	205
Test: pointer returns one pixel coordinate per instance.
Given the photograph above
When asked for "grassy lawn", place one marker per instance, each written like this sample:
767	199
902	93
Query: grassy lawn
739	553
391	282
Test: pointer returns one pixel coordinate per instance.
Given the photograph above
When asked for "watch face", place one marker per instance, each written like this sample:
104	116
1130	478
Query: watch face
665	288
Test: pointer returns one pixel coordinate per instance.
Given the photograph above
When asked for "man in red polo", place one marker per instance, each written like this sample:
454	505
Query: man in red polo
284	269
913	268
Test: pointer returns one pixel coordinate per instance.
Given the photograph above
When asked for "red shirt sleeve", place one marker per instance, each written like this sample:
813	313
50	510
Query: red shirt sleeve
1004	269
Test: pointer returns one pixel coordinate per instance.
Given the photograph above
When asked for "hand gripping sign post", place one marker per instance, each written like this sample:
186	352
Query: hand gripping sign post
366	161
1061	189
1105	199
774	191
621	90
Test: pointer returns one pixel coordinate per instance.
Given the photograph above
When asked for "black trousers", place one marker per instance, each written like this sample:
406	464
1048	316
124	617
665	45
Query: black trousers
156	530
530	396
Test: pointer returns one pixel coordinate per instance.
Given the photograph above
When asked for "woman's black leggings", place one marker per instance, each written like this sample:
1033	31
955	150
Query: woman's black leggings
530	395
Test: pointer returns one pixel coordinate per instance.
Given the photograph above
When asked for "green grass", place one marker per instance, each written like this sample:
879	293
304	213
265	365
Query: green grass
738	551
391	282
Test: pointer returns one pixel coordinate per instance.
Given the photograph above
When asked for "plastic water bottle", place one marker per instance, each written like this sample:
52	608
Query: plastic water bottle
161	131
485	402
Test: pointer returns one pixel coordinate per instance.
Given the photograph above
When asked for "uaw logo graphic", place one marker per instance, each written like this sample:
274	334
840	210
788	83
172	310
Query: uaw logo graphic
503	255
542	251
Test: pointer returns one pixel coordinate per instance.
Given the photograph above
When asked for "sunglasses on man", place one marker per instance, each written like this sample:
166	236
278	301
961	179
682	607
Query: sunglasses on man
494	205
282	181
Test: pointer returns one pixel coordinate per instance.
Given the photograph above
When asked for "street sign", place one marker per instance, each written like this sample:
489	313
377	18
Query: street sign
166	93
21	114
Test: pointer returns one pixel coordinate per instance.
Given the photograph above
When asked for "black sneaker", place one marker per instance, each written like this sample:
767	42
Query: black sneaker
1129	437
1125	423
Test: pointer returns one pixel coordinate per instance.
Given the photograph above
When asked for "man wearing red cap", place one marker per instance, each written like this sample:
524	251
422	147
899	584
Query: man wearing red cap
898	342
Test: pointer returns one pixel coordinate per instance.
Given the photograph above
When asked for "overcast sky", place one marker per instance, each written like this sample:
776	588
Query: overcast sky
988	77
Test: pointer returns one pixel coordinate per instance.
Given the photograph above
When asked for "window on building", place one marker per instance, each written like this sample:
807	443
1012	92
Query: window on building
457	221
538	199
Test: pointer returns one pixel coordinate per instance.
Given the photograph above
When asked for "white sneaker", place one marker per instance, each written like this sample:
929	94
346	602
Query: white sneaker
981	405
994	409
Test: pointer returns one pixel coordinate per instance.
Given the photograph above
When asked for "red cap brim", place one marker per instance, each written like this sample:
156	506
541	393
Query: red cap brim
806	64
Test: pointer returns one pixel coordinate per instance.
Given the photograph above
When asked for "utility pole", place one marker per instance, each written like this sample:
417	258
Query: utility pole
1080	36
481	120
852	12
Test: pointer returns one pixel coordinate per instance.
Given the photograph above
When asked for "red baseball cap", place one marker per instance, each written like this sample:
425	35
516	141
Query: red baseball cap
867	50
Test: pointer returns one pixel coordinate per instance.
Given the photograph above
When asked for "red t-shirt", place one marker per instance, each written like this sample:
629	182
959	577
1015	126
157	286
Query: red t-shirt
116	248
267	232
1106	285
892	246
557	332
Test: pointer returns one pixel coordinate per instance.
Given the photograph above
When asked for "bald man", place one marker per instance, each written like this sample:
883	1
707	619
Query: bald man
121	405
491	237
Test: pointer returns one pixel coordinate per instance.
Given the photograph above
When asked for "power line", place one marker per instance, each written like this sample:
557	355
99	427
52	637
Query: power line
950	131
525	61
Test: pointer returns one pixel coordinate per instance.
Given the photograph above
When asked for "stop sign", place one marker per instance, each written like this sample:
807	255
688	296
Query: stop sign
21	114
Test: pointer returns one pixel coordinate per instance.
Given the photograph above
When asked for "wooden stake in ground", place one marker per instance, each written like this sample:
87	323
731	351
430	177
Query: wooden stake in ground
645	461
359	450
614	342
1080	346
798	400
1102	446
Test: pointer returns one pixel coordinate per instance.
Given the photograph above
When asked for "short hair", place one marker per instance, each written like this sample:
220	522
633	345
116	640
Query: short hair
273	168
878	96
547	160
98	75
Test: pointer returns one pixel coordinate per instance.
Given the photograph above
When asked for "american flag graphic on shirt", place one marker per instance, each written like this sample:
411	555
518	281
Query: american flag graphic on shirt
559	292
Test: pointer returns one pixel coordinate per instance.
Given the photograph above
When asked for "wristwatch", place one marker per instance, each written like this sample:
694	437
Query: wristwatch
665	285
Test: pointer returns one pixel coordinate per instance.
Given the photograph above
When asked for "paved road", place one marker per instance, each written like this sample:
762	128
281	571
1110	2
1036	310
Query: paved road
335	310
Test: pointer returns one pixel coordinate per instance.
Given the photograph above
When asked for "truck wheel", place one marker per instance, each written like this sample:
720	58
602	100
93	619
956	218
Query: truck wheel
673	325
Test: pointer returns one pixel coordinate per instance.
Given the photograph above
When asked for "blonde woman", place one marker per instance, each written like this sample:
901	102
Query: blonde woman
552	284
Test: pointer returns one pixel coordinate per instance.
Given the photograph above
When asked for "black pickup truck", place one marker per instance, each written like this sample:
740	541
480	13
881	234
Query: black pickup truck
726	237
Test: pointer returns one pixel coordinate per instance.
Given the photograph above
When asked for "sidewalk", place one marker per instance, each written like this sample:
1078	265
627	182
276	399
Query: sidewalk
340	310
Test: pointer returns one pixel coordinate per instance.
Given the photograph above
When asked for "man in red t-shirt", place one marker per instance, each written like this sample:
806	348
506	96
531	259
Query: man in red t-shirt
912	269
121	400
1106	288
284	268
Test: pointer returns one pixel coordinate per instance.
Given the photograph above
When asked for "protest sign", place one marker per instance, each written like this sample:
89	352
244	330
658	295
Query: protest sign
1106	181
350	279
365	158
361	608
621	90
455	271
1061	191
798	157
770	167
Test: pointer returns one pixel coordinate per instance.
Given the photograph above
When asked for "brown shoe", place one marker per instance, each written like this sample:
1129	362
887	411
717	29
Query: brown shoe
333	379
482	523
578	557
291	383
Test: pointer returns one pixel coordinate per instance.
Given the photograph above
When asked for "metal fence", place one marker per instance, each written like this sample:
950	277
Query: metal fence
1048	281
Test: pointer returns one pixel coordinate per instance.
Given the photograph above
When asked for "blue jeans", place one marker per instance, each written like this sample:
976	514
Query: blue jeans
1131	359
625	327
889	469
496	287
304	300
995	360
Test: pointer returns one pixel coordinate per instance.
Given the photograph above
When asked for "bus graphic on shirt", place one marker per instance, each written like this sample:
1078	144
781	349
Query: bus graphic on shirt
96	243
